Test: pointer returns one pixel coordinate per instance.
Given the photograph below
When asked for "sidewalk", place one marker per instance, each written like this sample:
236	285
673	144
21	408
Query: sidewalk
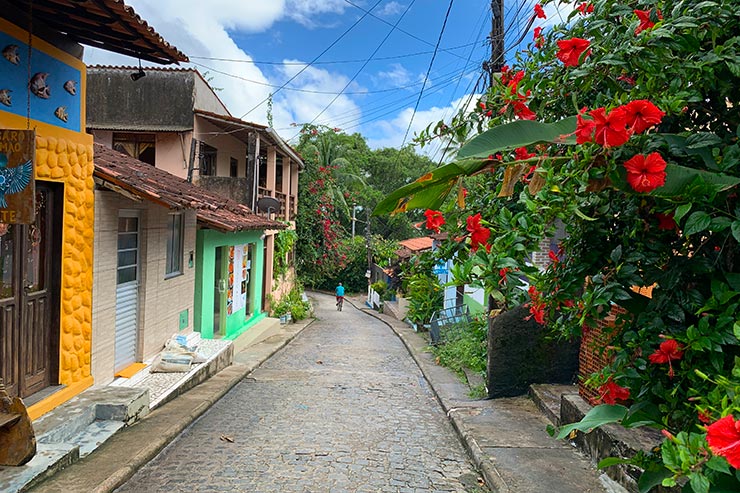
506	438
116	460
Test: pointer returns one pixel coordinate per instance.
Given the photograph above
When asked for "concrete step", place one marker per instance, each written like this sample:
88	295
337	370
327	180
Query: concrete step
562	404
73	430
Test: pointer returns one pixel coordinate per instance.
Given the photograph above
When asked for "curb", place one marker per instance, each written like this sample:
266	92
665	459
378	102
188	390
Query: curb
220	383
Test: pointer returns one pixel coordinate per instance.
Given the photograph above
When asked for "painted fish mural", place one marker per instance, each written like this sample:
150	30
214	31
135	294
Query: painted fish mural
61	113
10	53
5	97
38	85
71	87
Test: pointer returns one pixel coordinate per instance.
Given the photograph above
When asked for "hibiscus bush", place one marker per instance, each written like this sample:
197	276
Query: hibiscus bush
614	139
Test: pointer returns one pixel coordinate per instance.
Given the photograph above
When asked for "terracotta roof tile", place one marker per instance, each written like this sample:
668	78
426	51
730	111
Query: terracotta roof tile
106	24
417	244
123	173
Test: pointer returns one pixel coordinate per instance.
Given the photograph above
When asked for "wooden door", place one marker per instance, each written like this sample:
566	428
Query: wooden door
30	257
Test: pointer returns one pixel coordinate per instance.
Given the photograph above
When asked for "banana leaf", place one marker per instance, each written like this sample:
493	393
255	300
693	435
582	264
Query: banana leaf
431	190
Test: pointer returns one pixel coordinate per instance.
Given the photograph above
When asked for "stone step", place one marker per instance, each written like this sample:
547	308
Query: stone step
95	435
562	404
49	459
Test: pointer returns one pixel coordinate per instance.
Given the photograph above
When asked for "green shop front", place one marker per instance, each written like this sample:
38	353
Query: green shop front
230	279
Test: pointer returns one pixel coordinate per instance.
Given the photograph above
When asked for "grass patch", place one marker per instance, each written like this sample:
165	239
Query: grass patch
464	346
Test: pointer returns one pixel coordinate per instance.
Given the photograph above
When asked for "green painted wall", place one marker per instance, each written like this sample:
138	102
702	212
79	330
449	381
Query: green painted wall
205	279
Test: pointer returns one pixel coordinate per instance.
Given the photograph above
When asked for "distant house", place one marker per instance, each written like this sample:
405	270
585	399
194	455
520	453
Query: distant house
173	120
173	258
46	235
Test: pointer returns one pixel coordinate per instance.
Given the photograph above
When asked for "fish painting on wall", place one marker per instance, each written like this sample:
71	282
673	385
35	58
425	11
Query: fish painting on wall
38	85
10	53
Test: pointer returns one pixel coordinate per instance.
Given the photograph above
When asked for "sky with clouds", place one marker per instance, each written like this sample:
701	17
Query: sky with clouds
358	65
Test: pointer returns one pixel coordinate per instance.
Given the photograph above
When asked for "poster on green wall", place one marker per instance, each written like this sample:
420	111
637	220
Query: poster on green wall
237	295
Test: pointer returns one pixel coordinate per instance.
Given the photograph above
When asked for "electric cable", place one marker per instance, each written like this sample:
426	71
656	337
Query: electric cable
426	77
316	58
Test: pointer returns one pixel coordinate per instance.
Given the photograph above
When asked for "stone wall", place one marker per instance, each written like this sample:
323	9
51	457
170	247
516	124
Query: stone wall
520	353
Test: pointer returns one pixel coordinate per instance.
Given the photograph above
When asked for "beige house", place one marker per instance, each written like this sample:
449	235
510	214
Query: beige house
146	277
172	119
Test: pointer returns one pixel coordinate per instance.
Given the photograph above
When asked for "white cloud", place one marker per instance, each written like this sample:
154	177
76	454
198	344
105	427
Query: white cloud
398	75
306	11
393	130
390	9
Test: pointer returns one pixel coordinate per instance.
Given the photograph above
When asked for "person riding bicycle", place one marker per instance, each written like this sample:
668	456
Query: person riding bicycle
339	292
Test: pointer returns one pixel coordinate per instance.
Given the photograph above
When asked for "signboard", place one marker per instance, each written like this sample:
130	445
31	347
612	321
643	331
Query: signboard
17	185
440	268
238	278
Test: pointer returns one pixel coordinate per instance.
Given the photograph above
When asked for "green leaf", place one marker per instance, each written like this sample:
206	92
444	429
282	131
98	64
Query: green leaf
598	416
719	464
699	482
735	228
650	479
520	133
612	461
681	211
679	180
429	191
698	221
616	254
702	139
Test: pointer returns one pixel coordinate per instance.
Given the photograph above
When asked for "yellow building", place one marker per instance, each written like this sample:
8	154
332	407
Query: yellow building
47	212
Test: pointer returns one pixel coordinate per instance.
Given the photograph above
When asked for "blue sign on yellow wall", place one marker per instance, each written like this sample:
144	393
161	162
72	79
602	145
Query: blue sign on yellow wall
17	186
50	89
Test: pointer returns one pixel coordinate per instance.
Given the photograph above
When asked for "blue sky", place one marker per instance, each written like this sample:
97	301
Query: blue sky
252	48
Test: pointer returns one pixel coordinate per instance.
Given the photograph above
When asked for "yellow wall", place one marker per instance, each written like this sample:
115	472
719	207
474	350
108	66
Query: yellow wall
67	157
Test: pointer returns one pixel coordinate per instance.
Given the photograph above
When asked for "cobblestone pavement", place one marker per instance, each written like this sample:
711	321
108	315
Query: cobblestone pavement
343	408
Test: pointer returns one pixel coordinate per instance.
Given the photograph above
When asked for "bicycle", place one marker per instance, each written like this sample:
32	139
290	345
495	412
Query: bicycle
340	302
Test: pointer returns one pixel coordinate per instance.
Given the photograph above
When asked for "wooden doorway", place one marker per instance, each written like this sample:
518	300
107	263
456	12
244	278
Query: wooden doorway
30	259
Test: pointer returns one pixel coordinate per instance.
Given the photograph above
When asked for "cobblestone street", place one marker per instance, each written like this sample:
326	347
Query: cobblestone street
343	408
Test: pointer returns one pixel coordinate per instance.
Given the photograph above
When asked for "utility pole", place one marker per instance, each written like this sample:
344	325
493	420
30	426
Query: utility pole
496	62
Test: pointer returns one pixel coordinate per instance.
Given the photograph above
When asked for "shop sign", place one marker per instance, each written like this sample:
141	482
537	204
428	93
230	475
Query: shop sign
17	186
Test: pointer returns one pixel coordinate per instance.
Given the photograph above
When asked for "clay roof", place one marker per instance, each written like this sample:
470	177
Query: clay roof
414	245
138	180
417	244
110	25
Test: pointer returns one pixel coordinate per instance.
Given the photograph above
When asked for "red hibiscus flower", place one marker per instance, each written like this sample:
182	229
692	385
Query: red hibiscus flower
539	40
666	221
610	129
668	351
539	12
642	114
502	274
647	20
723	437
522	111
611	393
435	219
584	129
478	234
627	79
585	8
571	50
645	174
521	153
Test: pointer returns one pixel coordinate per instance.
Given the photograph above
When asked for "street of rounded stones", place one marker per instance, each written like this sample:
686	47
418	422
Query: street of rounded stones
342	408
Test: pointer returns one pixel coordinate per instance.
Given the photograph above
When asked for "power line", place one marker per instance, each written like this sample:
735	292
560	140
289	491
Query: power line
426	77
328	62
310	91
436	48
312	61
380	45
